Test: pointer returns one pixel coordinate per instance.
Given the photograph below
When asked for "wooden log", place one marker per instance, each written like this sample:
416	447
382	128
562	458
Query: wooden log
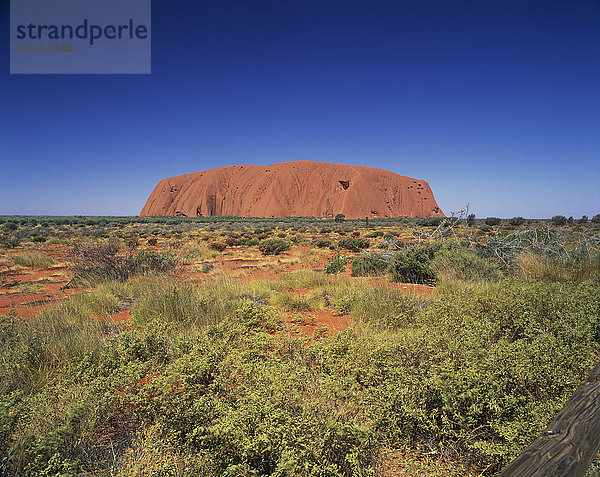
570	442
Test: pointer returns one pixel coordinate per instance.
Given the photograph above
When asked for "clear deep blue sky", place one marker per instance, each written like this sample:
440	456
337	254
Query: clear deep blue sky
493	102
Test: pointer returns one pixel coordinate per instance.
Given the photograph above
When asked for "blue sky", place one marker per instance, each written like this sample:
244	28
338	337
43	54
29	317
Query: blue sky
495	103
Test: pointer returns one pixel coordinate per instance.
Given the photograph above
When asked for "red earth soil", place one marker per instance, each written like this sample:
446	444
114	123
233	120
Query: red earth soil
25	291
298	189
325	321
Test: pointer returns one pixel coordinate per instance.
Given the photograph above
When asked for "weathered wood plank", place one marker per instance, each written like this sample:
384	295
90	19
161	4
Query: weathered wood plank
570	442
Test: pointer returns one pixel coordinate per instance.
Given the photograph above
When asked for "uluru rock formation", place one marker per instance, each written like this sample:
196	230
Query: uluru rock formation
297	189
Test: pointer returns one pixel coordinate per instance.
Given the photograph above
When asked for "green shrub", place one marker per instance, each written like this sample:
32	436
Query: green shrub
101	262
369	264
336	264
429	221
493	221
432	262
559	220
9	241
273	246
322	243
517	221
354	244
37	238
9	227
233	241
218	246
413	264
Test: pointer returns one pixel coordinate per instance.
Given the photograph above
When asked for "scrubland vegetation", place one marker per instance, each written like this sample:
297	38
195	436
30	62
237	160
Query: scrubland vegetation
217	377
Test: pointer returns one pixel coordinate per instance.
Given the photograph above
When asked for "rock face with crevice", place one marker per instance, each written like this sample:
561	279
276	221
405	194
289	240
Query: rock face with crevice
297	189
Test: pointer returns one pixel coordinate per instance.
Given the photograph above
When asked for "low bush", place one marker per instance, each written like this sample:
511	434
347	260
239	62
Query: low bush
233	241
369	265
218	246
493	221
413	264
353	244
322	243
273	246
429	221
9	241
97	262
517	221
434	262
250	242
336	264
37	238
9	227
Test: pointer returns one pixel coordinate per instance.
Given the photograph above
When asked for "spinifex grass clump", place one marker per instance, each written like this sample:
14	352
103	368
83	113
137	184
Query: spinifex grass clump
463	264
33	260
32	352
546	254
572	265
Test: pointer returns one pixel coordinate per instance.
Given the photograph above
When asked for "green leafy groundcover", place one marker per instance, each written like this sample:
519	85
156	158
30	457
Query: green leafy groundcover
479	370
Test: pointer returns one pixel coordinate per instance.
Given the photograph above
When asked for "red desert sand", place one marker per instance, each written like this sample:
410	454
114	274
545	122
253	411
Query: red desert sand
296	189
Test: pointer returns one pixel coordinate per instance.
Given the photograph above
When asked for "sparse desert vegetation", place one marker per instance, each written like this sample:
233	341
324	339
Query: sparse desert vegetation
296	346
